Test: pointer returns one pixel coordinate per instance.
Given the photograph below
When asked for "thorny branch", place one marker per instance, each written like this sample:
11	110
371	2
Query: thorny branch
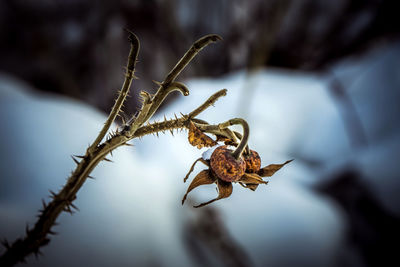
37	236
129	76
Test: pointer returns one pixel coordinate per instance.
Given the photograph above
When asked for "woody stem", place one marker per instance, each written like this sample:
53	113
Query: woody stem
246	132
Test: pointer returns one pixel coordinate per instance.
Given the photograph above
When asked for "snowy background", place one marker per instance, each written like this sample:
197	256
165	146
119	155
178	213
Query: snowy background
336	204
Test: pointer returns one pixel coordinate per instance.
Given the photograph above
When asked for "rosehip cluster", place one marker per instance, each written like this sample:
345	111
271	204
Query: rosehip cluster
224	169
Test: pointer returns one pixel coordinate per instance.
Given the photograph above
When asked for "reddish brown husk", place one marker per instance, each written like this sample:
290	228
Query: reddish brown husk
253	162
225	166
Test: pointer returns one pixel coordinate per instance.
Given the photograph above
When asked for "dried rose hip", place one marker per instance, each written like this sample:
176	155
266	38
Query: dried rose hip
225	166
253	162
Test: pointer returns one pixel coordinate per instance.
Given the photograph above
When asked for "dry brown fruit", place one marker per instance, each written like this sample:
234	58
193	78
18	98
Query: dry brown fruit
253	162
225	166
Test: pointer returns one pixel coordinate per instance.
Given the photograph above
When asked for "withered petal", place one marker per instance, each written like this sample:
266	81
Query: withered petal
224	191
202	178
271	169
197	138
192	167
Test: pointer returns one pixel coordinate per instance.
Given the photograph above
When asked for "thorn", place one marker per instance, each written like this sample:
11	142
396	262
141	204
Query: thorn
158	83
128	144
52	194
75	160
73	206
172	132
111	153
45	242
27	229
81	157
175	116
165	118
109	160
43	204
52	232
157	134
68	209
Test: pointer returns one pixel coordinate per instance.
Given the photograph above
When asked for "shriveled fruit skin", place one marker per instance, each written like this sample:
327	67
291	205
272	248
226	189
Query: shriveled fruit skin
253	162
225	166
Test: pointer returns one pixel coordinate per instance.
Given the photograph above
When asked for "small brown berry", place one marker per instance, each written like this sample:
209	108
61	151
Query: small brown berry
225	166
253	162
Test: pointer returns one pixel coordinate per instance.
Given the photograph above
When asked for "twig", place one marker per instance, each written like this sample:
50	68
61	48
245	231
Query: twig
129	76
62	201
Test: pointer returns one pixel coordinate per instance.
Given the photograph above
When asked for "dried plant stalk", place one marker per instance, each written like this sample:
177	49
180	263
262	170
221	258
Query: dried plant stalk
38	236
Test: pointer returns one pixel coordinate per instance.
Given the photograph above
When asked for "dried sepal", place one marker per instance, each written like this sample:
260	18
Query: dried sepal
197	138
271	169
252	178
224	190
252	187
202	178
192	167
251	181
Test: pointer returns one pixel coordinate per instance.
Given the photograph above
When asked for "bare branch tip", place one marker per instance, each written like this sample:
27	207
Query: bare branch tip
213	37
132	37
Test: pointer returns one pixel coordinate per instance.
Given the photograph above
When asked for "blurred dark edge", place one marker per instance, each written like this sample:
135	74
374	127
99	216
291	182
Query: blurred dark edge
372	231
78	48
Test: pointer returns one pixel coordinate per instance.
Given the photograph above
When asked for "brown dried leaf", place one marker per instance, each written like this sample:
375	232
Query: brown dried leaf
202	178
224	191
271	169
251	181
198	138
252	178
205	162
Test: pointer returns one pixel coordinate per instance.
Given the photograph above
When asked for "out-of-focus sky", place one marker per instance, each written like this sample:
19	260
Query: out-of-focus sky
318	81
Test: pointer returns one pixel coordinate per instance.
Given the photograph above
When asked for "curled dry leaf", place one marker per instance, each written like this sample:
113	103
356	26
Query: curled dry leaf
224	190
251	181
202	178
197	138
271	169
